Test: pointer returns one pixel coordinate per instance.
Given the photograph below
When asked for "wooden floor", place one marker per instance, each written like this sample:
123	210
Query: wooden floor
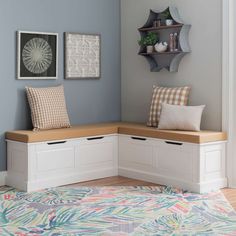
230	194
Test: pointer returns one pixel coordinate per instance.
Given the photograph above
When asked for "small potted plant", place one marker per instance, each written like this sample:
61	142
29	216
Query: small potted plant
168	17
149	41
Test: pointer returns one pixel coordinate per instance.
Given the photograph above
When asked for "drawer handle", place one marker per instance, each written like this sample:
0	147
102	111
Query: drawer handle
94	138
174	143
138	138
55	143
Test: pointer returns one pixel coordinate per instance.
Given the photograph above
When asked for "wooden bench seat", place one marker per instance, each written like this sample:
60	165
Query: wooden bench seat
28	136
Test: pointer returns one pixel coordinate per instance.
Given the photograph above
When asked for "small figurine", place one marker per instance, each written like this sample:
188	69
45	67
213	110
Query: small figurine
171	43
176	43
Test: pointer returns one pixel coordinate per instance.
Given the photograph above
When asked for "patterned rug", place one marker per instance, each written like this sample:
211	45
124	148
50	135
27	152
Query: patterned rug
114	211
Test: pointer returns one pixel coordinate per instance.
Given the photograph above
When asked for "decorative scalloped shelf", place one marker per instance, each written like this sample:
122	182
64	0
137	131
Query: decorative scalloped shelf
168	60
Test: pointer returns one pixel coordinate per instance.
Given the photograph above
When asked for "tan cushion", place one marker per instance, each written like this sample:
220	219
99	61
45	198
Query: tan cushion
48	108
174	96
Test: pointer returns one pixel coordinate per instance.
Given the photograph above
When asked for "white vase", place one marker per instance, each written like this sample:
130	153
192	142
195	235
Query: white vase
161	47
169	22
150	49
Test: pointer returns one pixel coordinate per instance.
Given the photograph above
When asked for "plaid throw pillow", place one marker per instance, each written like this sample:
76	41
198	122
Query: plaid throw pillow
173	96
48	108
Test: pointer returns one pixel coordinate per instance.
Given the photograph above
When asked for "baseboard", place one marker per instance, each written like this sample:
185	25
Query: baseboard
165	180
126	172
3	175
213	185
60	181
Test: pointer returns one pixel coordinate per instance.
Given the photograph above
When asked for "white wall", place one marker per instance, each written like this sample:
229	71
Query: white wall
200	69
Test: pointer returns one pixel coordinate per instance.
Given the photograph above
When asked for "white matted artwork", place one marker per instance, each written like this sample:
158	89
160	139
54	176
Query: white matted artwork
82	56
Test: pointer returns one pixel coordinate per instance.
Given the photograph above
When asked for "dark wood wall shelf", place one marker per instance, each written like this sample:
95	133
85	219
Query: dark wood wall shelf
161	27
159	53
169	60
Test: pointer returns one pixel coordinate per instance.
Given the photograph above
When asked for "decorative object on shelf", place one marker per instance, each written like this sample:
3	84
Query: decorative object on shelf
175	34
149	41
82	56
37	55
168	18
172	43
157	23
149	49
161	47
176	44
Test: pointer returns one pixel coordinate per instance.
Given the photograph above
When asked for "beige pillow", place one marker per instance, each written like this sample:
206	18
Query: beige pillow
181	117
175	96
48	107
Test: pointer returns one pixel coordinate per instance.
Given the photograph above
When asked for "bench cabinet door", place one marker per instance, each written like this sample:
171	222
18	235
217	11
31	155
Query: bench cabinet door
97	153
52	159
136	153
162	159
177	160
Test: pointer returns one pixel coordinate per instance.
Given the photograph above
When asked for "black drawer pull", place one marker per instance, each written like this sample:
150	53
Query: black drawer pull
55	143
138	138
174	143
94	138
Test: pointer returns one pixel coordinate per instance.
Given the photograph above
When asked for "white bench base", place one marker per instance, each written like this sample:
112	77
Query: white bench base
194	167
34	166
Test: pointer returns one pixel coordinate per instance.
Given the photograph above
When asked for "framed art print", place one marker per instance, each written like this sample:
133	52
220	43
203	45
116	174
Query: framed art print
37	55
82	56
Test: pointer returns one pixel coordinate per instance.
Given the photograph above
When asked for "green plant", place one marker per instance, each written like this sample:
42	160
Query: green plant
167	14
149	39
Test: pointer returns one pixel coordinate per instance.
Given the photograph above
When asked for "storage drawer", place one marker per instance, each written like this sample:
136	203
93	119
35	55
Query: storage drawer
176	158
136	153
54	158
98	152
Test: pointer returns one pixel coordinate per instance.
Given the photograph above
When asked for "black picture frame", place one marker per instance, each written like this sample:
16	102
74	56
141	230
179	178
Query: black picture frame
37	55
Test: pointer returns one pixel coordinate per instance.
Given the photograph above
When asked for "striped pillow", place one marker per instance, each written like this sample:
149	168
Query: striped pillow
48	108
173	96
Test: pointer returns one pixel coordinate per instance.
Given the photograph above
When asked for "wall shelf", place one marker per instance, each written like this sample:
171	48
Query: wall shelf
159	53
161	27
169	60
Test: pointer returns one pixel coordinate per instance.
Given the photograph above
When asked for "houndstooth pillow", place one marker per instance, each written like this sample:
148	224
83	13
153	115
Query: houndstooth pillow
173	96
48	108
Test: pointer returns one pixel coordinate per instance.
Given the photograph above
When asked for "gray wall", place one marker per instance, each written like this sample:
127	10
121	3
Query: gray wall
201	69
88	101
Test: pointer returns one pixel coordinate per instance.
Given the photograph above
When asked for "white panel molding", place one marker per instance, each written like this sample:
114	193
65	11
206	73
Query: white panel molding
228	93
3	175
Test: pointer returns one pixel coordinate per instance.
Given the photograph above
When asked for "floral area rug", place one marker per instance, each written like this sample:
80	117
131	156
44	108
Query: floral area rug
114	211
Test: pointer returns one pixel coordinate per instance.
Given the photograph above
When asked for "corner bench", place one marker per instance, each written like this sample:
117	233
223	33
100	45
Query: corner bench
191	160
